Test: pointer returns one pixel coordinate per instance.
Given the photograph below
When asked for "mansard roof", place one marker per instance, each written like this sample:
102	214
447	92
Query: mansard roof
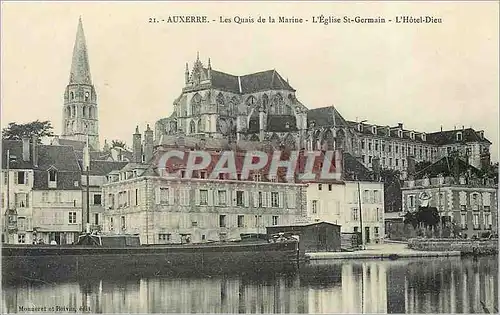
447	166
15	148
61	158
76	144
102	167
449	137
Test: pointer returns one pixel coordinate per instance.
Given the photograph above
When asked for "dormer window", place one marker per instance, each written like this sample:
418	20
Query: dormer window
374	130
412	135
400	133
481	134
459	136
423	136
52	178
287	125
360	127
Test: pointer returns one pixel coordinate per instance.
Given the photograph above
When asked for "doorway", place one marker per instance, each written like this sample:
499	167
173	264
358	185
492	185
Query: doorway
367	235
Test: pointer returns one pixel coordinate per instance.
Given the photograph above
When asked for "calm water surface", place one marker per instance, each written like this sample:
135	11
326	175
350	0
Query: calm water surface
432	285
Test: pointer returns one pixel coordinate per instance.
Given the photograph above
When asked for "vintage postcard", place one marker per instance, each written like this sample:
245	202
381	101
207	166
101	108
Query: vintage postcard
249	157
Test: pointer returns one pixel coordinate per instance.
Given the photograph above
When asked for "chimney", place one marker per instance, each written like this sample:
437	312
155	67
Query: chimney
136	146
34	148
410	167
441	128
400	125
148	144
376	167
26	149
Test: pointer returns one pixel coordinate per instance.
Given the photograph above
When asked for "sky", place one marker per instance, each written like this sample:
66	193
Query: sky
426	76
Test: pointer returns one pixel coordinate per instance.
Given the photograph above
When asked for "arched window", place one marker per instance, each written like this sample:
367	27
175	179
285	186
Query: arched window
265	102
68	112
91	114
71	96
73	111
232	106
200	127
251	101
192	127
278	105
196	105
84	111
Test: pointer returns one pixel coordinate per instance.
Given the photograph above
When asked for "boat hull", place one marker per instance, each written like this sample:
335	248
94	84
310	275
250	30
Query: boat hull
88	261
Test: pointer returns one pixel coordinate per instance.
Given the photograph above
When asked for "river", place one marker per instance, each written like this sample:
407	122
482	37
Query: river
447	285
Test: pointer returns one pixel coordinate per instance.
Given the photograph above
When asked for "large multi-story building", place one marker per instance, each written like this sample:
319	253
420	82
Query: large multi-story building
459	194
263	107
41	195
165	210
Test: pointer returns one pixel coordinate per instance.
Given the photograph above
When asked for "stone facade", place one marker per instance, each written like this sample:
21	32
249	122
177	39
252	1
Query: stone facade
262	107
43	197
80	111
471	204
338	203
164	210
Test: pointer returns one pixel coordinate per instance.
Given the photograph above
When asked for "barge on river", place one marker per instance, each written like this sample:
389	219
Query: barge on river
101	254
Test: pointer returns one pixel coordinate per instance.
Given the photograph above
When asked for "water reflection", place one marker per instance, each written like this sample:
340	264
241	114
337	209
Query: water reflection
404	286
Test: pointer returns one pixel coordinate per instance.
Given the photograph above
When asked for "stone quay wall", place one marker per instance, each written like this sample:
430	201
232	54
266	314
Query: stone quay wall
478	247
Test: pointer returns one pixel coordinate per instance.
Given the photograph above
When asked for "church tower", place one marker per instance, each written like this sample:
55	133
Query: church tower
80	114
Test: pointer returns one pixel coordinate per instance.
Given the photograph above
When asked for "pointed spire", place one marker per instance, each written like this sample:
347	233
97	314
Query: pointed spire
80	69
197	56
187	68
209	64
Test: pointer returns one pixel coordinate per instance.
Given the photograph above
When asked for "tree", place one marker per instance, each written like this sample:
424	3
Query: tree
118	144
411	218
15	131
427	216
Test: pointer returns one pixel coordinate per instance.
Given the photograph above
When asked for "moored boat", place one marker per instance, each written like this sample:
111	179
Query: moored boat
94	254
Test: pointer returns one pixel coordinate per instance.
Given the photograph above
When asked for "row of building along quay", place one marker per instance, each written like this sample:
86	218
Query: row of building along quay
48	196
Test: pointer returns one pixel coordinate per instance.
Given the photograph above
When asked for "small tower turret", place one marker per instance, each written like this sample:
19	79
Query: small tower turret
186	74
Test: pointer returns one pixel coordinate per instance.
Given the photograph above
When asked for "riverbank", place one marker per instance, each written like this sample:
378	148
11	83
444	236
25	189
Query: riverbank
382	251
465	246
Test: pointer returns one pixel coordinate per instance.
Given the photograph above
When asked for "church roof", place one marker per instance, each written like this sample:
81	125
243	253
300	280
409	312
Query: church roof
325	116
80	68
249	83
265	80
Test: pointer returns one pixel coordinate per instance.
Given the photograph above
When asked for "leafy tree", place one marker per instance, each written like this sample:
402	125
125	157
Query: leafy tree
118	144
15	131
427	216
411	218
